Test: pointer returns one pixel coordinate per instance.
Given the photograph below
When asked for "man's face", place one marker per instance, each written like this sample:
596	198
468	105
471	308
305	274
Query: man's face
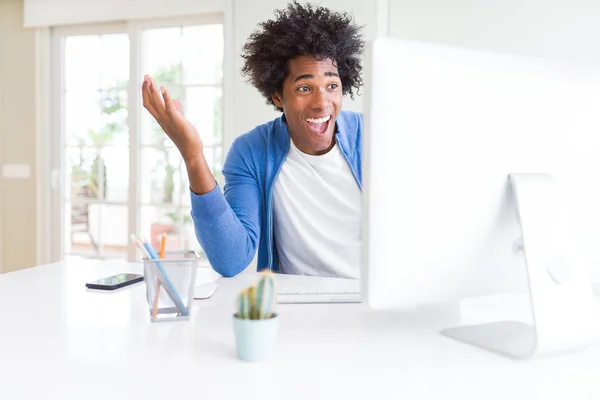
311	101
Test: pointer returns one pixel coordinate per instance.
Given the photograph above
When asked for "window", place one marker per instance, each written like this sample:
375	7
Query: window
120	173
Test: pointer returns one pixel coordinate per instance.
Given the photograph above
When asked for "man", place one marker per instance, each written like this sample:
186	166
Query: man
292	185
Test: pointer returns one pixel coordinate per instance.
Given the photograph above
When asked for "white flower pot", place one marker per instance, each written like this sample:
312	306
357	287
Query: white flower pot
256	340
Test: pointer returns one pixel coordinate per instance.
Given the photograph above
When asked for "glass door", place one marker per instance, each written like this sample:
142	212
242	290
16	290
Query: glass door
119	173
95	145
187	61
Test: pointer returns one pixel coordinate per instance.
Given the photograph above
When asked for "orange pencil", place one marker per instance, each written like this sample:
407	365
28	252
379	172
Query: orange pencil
163	242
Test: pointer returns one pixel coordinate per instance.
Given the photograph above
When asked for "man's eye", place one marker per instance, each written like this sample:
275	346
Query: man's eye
333	86
303	89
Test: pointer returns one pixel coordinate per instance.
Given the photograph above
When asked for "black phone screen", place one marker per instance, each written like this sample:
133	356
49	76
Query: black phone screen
115	281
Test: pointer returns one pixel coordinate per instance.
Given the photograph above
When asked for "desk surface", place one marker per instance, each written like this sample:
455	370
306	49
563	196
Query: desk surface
59	340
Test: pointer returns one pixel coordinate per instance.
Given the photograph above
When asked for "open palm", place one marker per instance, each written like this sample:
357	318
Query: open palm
169	115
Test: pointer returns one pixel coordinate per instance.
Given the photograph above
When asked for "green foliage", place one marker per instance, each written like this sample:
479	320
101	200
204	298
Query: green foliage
89	177
258	301
170	74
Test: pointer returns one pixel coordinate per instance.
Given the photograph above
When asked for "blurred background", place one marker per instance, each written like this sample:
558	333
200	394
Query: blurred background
84	165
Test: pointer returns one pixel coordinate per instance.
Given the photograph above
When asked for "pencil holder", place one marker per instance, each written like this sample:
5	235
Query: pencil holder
170	285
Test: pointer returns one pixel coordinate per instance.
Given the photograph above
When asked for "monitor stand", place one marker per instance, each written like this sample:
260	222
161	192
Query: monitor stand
566	316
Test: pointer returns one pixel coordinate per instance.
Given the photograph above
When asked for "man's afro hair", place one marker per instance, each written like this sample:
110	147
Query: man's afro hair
303	30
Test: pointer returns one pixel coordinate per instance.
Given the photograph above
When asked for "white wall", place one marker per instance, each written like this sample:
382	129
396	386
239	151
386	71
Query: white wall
558	29
63	12
18	81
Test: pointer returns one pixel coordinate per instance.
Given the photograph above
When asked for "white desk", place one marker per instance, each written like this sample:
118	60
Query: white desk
60	341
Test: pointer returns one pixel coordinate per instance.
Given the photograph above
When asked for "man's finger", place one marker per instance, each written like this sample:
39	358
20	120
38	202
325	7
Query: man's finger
156	99
169	107
146	98
178	106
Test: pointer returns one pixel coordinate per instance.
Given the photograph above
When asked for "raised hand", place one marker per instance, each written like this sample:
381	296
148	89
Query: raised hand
169	115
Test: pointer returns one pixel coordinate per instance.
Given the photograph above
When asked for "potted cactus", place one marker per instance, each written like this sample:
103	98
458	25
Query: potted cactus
255	322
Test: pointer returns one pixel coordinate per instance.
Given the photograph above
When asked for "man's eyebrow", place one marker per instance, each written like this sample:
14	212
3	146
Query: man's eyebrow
303	76
311	76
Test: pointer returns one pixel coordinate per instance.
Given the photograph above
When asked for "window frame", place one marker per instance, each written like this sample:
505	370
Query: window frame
55	154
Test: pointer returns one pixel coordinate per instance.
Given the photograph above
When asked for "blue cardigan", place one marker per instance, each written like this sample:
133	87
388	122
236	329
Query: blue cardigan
229	224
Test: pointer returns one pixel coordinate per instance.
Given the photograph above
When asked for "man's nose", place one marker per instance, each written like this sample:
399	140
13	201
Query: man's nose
321	100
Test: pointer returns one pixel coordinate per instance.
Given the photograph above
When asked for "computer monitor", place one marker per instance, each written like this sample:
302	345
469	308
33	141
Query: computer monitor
469	157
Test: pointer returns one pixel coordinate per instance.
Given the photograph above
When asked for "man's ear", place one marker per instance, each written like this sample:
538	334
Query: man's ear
277	99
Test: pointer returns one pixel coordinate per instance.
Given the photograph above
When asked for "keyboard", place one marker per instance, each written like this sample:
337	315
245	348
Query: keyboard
312	289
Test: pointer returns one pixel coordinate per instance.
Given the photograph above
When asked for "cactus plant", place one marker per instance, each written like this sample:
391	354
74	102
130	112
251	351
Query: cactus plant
258	301
243	305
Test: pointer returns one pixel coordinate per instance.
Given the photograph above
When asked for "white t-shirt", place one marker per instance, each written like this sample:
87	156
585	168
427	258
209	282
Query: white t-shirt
316	211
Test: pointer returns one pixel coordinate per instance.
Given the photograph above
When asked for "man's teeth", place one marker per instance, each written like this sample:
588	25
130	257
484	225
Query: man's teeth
318	120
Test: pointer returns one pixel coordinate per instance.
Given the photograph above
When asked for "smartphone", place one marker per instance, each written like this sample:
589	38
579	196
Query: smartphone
115	281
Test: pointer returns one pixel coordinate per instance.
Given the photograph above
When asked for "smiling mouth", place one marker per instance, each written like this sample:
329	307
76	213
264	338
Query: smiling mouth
319	125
